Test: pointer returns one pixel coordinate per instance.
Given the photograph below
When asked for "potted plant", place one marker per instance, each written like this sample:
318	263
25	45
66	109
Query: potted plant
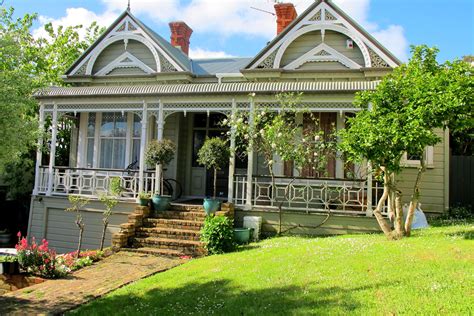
143	198
9	265
160	153
214	154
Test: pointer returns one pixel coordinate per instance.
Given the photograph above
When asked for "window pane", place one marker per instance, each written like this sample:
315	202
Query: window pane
215	120
120	125
200	120
91	125
107	126
106	146
119	154
90	152
137	126
135	150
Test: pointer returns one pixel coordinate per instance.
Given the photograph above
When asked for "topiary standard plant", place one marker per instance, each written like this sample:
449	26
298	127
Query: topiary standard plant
217	234
160	153
214	154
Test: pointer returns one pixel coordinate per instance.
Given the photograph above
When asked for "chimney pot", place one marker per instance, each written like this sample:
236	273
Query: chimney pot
180	35
285	13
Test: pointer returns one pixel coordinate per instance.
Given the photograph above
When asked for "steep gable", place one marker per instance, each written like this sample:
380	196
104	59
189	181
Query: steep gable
129	47
323	37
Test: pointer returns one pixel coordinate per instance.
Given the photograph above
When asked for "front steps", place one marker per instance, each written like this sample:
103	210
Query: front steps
174	232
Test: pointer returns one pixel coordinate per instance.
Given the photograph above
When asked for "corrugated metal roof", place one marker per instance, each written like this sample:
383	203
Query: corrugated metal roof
212	66
207	88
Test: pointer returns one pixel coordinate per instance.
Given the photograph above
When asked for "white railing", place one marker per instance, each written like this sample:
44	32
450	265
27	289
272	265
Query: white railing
343	196
93	182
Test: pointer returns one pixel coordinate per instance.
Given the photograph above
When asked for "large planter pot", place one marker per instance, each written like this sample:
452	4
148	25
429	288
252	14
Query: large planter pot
211	206
143	202
9	268
161	202
242	235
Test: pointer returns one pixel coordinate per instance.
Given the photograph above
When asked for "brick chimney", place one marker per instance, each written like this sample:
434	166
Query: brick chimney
285	13
180	35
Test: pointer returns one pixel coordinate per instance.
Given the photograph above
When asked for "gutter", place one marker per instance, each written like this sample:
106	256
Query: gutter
222	75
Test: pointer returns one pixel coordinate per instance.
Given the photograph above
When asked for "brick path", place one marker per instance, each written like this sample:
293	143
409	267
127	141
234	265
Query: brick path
57	296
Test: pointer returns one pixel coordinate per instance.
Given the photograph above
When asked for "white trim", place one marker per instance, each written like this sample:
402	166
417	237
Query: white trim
82	143
128	139
52	152
120	63
39	151
98	122
318	25
99	49
311	56
321	27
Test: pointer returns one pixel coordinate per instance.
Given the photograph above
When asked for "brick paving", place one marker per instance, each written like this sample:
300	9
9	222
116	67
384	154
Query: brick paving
58	296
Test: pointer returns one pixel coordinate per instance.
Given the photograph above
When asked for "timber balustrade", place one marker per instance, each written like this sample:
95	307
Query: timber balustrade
338	196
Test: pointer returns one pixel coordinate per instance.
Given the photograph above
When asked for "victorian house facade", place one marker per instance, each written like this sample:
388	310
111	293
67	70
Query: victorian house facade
132	86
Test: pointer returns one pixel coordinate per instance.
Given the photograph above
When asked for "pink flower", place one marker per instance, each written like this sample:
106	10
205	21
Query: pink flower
18	234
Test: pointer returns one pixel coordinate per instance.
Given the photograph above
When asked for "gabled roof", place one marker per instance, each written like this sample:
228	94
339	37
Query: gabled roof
297	23
174	53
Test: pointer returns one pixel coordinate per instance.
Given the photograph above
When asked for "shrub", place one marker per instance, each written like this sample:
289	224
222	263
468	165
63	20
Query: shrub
39	259
8	259
218	234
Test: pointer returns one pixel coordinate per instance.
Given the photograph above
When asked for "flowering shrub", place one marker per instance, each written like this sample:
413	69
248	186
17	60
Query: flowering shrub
39	259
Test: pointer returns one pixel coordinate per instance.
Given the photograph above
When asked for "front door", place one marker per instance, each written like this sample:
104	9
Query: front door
207	126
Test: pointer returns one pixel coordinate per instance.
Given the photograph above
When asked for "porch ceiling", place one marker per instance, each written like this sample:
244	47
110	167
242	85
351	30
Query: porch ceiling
208	88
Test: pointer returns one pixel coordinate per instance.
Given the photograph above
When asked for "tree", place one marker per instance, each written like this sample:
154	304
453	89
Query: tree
278	133
160	153
214	154
109	201
401	116
26	65
77	203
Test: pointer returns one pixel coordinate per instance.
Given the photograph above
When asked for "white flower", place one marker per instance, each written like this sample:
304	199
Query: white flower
240	120
280	134
270	162
274	145
263	113
316	138
262	131
224	121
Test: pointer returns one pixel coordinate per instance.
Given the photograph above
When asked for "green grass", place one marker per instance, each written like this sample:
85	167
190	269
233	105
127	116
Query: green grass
430	273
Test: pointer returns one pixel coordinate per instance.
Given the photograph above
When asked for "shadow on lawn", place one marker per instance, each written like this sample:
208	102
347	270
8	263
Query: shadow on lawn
222	297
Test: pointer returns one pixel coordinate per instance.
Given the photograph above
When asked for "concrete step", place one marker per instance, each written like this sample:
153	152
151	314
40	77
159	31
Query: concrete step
187	215
164	232
156	251
172	223
186	207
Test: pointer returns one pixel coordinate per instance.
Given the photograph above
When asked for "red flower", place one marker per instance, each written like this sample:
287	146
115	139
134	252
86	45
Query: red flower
18	234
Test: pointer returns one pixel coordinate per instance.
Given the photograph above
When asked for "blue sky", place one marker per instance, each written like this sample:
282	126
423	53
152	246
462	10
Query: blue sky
232	28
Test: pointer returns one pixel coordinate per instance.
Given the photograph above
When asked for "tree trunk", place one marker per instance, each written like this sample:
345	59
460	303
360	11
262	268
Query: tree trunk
415	197
106	223
391	199
399	215
378	213
273	198
215	183
79	245
157	179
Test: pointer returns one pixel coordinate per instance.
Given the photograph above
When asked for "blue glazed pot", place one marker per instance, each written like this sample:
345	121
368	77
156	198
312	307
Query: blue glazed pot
242	235
161	202
211	206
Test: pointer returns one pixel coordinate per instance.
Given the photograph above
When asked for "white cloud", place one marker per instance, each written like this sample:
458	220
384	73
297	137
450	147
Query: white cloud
73	17
232	17
198	52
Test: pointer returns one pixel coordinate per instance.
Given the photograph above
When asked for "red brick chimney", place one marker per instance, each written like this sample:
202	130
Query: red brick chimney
285	13
180	35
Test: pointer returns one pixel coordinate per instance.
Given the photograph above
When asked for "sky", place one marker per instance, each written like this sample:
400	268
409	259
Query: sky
224	28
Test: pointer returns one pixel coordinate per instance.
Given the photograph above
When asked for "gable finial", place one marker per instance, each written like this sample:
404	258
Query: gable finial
128	5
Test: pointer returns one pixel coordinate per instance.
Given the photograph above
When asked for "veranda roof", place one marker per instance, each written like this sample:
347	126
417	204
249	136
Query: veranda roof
207	88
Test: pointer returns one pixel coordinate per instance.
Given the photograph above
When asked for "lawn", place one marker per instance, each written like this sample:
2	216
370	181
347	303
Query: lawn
429	273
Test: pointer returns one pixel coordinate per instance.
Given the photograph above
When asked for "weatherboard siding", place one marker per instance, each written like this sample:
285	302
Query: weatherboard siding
433	190
308	41
116	49
48	219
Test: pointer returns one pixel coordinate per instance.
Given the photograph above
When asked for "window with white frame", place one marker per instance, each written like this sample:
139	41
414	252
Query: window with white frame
112	140
413	160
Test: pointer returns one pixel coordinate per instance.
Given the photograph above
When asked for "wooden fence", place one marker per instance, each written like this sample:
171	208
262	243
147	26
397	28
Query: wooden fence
461	180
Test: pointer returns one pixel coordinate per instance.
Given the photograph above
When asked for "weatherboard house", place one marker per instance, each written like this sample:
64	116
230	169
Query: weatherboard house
132	86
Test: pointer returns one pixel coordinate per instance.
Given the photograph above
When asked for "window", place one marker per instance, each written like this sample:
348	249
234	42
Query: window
413	159
113	140
136	134
91	121
205	126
